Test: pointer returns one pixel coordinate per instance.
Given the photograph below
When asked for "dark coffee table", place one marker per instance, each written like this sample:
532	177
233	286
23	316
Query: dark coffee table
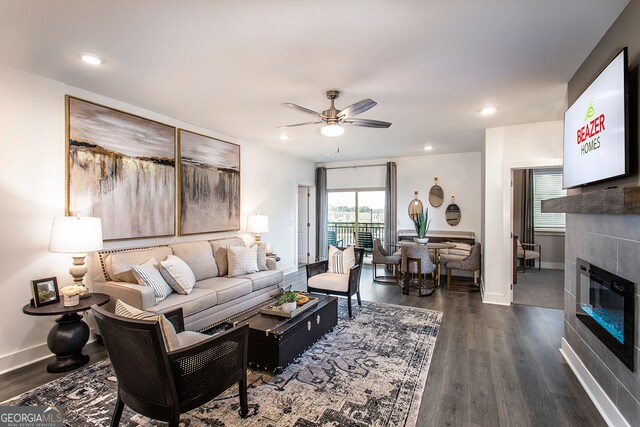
274	342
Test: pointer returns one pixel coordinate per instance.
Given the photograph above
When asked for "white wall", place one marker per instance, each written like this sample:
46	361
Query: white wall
32	190
458	173
521	146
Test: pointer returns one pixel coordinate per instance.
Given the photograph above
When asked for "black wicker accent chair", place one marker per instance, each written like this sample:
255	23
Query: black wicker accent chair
162	385
332	239
365	241
353	284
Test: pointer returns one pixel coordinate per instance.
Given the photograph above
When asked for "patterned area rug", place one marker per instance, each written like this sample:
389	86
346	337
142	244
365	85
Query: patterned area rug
369	371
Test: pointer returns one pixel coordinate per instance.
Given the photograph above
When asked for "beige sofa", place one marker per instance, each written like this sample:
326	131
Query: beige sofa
215	296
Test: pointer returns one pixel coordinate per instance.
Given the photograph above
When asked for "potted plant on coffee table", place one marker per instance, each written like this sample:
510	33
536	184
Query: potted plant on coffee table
287	301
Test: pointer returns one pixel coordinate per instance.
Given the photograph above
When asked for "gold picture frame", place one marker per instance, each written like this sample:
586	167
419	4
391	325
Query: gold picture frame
120	167
209	184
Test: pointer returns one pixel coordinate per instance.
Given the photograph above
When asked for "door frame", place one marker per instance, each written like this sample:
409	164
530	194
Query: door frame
507	209
296	188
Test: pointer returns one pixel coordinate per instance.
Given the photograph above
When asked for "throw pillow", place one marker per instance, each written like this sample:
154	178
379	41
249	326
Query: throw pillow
178	274
169	335
262	257
147	274
219	247
242	260
341	261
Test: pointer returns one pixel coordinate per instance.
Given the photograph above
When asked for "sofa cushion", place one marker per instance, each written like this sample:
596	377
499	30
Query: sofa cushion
219	247
242	260
196	301
330	282
198	256
147	274
169	335
177	274
264	279
226	288
119	263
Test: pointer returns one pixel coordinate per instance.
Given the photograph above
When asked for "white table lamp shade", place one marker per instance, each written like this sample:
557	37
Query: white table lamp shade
75	235
258	224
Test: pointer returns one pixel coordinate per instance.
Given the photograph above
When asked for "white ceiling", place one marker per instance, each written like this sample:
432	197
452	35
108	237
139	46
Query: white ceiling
229	65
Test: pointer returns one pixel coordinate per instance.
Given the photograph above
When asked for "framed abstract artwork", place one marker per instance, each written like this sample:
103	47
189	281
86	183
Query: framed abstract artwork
120	168
209	184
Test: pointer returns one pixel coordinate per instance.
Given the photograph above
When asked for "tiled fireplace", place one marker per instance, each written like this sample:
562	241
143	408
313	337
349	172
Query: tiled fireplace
612	244
603	230
605	304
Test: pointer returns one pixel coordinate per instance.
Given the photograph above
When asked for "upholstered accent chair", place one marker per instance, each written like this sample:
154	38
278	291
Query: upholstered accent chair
524	253
472	262
320	280
381	256
416	264
163	384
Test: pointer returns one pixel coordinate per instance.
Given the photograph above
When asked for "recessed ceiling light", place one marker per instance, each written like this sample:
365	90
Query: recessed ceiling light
487	111
428	148
284	137
91	58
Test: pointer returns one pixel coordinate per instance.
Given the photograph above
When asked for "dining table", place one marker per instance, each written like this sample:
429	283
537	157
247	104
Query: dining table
436	246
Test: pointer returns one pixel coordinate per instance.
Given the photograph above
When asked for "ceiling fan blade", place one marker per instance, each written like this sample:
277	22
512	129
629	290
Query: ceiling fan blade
367	123
300	124
357	108
303	109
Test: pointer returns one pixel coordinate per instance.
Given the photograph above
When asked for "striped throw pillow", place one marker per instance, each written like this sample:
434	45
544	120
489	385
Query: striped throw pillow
341	261
169	335
148	274
178	274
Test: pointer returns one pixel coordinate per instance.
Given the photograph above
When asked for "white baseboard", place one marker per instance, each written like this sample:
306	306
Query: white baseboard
24	357
499	299
12	361
603	403
289	270
552	265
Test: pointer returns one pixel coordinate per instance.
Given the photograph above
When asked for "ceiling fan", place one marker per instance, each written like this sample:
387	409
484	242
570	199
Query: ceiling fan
333	119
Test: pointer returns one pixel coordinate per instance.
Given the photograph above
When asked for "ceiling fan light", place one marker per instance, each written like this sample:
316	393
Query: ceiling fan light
332	129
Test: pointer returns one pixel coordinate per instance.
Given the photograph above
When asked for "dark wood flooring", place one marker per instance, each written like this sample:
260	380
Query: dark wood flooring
492	365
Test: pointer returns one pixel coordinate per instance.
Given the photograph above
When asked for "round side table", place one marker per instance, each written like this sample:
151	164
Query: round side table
70	334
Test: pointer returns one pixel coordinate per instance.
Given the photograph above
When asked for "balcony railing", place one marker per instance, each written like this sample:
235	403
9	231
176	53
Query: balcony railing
345	231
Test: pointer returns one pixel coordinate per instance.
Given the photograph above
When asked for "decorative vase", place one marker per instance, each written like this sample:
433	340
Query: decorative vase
420	241
71	301
288	307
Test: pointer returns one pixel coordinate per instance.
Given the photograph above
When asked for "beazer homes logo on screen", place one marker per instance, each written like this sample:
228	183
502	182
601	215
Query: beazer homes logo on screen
31	416
589	134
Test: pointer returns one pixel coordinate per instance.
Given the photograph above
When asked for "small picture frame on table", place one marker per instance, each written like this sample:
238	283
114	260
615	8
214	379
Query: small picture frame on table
45	291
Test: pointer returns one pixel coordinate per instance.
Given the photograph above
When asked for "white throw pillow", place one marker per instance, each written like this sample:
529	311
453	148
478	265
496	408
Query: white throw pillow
242	260
178	274
147	274
169	335
341	261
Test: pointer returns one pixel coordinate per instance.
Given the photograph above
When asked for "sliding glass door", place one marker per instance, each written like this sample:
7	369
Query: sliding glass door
356	217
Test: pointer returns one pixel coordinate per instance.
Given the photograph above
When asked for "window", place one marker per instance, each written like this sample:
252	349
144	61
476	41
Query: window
547	184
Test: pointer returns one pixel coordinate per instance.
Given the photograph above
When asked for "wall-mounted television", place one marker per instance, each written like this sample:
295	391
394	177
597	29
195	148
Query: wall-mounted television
596	136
